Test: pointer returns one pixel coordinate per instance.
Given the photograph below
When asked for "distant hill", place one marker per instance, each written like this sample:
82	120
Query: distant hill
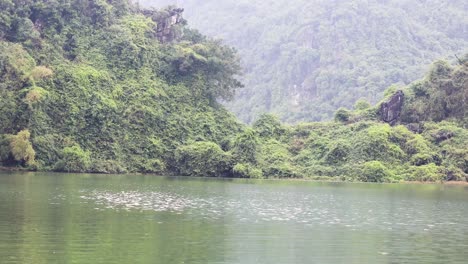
304	59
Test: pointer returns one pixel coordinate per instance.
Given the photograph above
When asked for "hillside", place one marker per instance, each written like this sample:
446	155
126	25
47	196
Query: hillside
105	87
92	86
304	59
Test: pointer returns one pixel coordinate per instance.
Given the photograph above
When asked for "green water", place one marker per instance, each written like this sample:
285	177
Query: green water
68	218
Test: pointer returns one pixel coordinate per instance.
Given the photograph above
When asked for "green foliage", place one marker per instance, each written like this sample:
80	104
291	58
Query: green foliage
362	104
74	159
5	152
35	95
276	160
268	126
428	172
374	143
202	159
342	115
243	170
246	147
305	59
108	167
338	153
21	147
440	96
374	171
97	76
92	86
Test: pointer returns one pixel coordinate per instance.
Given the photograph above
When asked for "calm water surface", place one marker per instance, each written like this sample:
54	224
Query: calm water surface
65	218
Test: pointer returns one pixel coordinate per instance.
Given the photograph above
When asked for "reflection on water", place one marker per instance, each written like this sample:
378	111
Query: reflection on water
56	218
302	208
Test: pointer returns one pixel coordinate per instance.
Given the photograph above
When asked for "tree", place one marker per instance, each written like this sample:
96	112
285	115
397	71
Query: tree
342	115
21	147
246	147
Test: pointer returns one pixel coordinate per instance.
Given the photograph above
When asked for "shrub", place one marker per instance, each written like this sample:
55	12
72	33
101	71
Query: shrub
202	159
21	147
35	95
318	170
338	152
74	159
246	147
374	144
269	126
5	152
153	166
362	104
280	170
425	158
429	172
342	115
108	167
375	171
243	170
41	72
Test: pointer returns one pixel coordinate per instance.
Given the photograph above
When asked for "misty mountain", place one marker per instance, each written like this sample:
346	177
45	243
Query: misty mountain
304	59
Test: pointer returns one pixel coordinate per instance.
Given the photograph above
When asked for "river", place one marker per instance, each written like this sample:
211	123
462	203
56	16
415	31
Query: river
80	218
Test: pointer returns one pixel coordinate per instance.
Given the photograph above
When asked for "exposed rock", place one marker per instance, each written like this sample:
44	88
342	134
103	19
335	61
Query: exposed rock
391	109
166	20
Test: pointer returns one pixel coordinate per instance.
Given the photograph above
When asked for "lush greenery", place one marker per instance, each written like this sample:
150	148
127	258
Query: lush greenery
89	86
86	86
304	59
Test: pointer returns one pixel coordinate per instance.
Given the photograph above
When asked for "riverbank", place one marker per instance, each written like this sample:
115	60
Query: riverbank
13	169
306	179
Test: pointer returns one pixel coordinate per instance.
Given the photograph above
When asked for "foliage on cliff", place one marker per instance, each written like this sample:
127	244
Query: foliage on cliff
88	86
306	58
96	86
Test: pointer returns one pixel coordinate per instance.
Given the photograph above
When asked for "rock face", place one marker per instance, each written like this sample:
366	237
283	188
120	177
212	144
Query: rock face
166	20
391	109
165	31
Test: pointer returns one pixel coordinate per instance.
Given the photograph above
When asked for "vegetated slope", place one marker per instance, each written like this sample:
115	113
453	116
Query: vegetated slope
427	140
90	86
304	59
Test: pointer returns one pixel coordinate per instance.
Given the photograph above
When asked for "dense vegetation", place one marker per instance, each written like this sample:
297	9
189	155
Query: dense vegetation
87	86
304	59
100	86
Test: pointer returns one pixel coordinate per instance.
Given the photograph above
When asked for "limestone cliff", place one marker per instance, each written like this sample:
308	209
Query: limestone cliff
390	110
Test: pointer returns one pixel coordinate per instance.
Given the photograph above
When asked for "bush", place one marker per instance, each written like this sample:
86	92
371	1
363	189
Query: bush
338	152
202	159
5	152
375	171
318	170
429	172
41	72
153	166
362	104
74	159
35	95
108	167
425	158
246	147
21	147
243	170
280	170
342	115
269	126
374	144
